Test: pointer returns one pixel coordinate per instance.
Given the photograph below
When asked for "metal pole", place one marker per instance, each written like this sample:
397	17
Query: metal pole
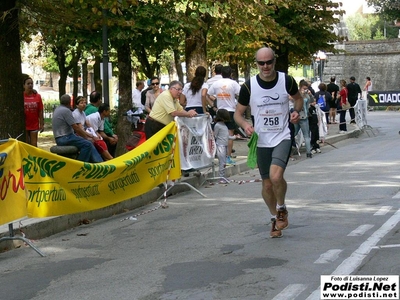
384	29
322	69
12	237
106	90
11	229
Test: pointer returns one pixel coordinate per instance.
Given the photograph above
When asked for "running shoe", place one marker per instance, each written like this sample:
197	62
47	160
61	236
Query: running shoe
318	150
229	161
275	233
282	219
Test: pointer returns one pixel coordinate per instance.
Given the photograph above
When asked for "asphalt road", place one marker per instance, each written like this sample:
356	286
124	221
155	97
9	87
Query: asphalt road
344	219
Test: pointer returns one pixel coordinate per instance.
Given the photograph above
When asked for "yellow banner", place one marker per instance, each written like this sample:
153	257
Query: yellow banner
54	185
12	188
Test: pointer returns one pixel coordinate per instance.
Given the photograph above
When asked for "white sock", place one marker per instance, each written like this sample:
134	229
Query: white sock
279	207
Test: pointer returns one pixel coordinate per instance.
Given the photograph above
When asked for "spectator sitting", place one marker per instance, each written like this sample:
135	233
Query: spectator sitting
111	138
90	133
80	117
137	95
96	121
64	126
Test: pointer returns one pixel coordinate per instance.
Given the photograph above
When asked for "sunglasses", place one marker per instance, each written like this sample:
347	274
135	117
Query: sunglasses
155	83
179	90
268	62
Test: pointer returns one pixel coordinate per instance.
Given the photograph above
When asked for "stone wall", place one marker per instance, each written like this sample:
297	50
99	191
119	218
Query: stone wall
379	60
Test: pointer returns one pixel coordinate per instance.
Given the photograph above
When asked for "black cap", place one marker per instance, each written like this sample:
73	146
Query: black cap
352	78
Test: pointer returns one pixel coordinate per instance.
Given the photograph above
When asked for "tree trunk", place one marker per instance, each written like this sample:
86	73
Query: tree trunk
61	61
282	61
247	71
235	71
171	71
51	79
125	97
195	51
75	75
61	66
134	77
62	82
73	65
178	65
84	78
148	68
12	121
98	86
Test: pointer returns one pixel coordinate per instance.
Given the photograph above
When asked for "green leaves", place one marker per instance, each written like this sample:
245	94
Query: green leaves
234	28
389	9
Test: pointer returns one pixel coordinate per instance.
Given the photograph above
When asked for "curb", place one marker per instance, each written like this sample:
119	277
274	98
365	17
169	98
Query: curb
44	227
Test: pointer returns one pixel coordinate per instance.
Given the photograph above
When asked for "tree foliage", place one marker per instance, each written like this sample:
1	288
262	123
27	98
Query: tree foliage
388	9
309	28
201	26
241	29
294	29
360	27
369	26
197	32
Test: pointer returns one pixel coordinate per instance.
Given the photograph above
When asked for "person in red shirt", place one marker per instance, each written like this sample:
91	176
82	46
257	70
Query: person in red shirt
343	98
33	106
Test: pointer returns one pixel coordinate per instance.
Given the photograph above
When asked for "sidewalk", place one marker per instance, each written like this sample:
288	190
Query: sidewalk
44	227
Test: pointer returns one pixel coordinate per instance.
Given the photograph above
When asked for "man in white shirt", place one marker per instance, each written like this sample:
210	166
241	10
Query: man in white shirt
96	121
211	102
225	90
137	94
217	76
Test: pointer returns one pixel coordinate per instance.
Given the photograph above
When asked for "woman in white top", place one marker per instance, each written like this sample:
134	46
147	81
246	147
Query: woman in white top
367	88
368	84
195	92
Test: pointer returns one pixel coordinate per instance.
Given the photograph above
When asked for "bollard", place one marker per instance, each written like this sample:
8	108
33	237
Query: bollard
66	151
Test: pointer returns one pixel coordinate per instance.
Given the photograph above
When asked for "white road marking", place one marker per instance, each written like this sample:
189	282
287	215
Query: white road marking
355	259
328	256
397	196
290	292
361	230
386	246
383	211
